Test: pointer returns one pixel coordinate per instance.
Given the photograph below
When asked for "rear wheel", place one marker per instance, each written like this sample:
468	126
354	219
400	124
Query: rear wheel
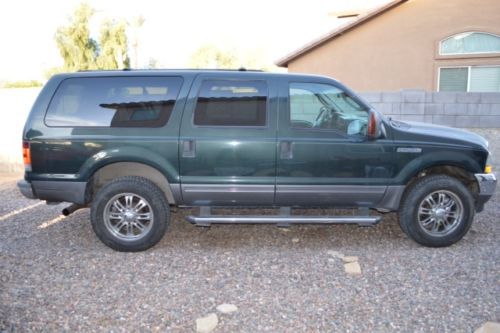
437	210
130	214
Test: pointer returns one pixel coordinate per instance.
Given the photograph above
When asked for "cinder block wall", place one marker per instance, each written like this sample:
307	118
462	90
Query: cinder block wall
476	112
457	109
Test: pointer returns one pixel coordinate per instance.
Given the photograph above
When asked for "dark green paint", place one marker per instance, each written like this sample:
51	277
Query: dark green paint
244	156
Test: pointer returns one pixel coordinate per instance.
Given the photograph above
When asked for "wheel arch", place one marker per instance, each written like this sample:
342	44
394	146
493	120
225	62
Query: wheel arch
108	172
456	171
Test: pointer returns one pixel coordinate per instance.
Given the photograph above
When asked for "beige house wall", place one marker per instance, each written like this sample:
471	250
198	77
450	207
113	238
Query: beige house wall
399	48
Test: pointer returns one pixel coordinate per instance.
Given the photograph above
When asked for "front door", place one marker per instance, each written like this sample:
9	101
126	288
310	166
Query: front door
324	156
228	142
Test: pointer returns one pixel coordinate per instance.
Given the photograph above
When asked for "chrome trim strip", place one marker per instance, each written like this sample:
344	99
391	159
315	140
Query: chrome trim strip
218	188
292	219
227	194
334	189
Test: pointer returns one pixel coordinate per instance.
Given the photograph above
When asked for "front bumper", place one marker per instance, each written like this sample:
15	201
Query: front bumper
487	186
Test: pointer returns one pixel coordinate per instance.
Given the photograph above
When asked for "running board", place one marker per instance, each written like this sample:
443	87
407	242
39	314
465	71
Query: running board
283	220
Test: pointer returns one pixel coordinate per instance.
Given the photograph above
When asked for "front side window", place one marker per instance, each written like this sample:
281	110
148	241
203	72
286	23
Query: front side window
470	43
231	103
470	79
113	102
323	106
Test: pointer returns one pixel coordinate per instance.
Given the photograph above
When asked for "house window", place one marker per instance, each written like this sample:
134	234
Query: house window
473	79
470	43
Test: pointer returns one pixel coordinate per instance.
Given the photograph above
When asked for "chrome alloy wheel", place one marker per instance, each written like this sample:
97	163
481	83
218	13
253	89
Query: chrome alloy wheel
440	213
128	216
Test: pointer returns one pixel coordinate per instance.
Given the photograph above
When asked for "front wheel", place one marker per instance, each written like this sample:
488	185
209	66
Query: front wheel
437	211
130	214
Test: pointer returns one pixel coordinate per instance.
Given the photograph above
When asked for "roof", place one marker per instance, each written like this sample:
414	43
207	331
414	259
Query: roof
338	32
184	72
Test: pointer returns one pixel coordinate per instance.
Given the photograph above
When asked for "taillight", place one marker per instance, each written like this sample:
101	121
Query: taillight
26	156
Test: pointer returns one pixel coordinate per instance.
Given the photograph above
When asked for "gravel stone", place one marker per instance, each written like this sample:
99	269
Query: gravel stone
335	254
227	308
489	327
349	259
352	268
207	324
61	278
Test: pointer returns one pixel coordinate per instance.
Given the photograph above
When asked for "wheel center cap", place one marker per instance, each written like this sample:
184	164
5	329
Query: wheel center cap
439	213
129	216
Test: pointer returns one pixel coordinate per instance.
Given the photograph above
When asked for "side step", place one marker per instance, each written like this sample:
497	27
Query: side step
284	219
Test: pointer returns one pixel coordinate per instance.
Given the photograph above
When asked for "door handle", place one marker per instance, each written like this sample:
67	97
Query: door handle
286	150
188	148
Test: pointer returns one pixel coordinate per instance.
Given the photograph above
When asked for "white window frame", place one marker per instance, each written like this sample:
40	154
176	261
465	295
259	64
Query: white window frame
471	53
468	74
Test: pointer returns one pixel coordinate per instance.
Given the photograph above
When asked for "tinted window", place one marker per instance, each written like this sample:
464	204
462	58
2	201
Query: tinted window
323	106
231	103
114	102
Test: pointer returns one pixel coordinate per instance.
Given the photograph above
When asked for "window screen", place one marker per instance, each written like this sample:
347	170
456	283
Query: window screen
485	79
453	79
113	102
231	103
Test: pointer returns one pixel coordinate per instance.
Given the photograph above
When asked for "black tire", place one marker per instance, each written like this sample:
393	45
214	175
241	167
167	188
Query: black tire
410	219
139	189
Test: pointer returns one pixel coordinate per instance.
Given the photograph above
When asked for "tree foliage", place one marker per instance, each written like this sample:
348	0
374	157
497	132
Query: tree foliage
77	48
209	56
113	46
22	84
81	52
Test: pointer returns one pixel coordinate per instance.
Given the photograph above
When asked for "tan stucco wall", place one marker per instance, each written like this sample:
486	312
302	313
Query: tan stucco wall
398	49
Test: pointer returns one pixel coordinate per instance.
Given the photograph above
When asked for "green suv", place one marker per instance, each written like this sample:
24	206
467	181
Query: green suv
132	144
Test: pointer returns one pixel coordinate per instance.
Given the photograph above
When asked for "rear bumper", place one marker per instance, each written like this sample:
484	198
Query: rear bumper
26	189
55	191
487	186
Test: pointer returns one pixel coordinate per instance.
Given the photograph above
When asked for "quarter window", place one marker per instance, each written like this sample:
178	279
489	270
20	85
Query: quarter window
114	102
231	103
323	106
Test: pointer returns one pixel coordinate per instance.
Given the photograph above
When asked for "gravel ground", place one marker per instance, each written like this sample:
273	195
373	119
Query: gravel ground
55	275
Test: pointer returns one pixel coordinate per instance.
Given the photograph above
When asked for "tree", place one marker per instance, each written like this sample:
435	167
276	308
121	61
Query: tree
78	50
136	25
113	52
209	56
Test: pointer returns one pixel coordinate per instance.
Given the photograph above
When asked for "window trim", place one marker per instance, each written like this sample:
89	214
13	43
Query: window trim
318	130
265	126
112	76
468	74
469	54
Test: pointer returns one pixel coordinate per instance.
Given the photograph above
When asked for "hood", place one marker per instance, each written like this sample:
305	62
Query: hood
447	134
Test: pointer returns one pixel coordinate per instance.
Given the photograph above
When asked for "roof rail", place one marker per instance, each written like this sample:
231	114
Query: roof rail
241	69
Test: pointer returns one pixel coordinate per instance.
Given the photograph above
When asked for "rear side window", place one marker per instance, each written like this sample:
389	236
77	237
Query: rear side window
113	102
231	103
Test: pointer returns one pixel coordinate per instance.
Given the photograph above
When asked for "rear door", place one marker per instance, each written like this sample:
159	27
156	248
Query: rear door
228	141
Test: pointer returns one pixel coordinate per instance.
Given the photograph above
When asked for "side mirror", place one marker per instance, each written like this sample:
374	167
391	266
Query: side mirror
374	130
